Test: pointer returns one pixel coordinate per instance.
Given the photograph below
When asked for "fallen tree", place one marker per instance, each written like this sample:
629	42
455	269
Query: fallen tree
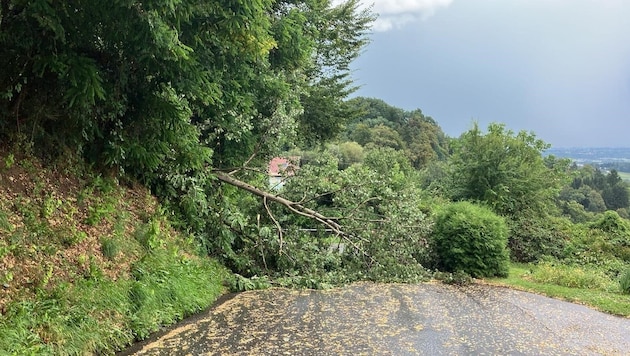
294	207
376	212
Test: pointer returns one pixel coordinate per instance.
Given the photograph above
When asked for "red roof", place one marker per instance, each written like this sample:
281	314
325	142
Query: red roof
279	166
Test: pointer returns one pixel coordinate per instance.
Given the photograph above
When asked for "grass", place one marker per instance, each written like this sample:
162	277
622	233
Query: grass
624	175
100	315
88	266
604	298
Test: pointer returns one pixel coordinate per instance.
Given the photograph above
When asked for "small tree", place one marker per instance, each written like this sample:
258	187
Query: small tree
472	239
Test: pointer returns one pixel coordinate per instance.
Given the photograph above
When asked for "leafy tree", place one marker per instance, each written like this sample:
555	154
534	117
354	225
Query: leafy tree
361	134
341	35
350	153
419	136
472	239
375	112
504	170
424	139
616	196
383	136
597	192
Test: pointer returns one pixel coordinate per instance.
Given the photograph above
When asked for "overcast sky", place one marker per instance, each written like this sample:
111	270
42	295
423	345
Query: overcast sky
560	68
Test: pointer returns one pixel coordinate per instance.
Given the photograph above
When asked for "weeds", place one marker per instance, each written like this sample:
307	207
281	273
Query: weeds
608	299
570	276
99	315
109	248
9	160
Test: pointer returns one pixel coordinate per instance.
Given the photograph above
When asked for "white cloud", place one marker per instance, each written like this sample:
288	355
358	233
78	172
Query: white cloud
397	13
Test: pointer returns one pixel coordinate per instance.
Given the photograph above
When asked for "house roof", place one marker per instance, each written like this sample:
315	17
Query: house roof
279	166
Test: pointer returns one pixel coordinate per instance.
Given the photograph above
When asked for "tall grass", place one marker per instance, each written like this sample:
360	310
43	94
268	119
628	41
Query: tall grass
571	276
608	300
103	316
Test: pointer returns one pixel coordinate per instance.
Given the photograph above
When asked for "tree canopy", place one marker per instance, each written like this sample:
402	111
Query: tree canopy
504	170
143	85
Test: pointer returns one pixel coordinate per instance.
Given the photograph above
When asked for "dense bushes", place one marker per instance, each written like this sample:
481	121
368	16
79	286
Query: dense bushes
533	237
472	239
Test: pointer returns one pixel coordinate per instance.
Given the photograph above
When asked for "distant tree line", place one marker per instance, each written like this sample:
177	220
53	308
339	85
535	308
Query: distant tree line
596	191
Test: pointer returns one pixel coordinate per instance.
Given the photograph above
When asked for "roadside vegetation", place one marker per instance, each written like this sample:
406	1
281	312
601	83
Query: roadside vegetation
88	265
573	285
133	174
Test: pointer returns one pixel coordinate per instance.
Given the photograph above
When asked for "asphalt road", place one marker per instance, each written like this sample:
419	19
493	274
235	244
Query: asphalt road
395	319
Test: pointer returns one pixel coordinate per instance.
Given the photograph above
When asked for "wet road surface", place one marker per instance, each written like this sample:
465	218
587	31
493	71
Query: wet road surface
395	319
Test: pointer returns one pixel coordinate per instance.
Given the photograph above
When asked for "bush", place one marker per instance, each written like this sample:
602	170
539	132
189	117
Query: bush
612	223
471	239
533	237
624	282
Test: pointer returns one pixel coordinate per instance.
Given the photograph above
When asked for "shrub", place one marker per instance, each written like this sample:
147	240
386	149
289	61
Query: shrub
612	223
624	282
533	237
471	239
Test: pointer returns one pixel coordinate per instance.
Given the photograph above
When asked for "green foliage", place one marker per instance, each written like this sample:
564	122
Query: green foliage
110	248
471	239
381	214
177	85
595	191
424	139
9	160
610	222
608	300
385	137
570	276
575	211
390	163
149	235
504	170
350	153
533	237
624	282
381	125
342	34
241	284
98	315
167	288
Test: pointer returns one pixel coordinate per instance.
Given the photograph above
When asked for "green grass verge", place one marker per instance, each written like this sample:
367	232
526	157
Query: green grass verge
612	302
101	316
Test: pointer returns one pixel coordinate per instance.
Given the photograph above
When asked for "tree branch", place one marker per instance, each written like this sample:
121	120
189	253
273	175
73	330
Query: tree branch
295	208
275	222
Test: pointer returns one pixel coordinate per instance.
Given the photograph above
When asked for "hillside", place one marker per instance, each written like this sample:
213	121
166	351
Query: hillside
87	264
